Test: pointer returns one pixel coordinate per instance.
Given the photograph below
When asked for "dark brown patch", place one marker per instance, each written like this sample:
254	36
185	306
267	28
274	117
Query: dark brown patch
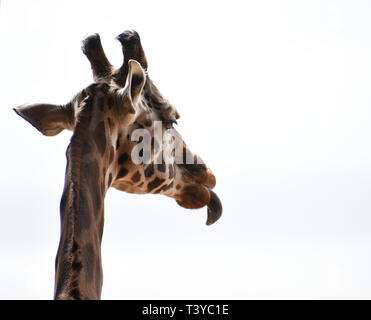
154	184
109	179
178	186
76	266
149	170
161	167
100	137
136	177
75	293
123	158
195	169
75	246
123	172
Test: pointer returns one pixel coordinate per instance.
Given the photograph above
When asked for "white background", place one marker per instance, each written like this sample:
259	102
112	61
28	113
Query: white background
274	95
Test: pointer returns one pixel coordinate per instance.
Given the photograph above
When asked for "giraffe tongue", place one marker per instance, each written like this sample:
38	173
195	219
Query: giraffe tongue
214	208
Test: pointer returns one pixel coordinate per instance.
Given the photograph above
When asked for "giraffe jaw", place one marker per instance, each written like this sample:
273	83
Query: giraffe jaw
214	208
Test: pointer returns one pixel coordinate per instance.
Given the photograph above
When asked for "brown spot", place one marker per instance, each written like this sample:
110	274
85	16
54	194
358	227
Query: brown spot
195	169
161	167
122	173
154	184
109	179
136	177
75	293
123	158
76	266
75	246
149	170
178	186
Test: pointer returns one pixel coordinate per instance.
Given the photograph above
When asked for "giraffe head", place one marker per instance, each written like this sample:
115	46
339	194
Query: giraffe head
124	134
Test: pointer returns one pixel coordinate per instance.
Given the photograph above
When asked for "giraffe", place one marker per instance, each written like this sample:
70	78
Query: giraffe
105	118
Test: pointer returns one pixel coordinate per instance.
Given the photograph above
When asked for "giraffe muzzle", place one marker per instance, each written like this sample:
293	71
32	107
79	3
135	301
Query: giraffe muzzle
214	208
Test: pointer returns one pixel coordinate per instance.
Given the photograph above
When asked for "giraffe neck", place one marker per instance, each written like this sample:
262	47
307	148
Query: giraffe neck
78	261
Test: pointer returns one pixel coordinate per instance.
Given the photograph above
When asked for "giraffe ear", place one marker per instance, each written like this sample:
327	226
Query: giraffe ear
136	79
49	119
